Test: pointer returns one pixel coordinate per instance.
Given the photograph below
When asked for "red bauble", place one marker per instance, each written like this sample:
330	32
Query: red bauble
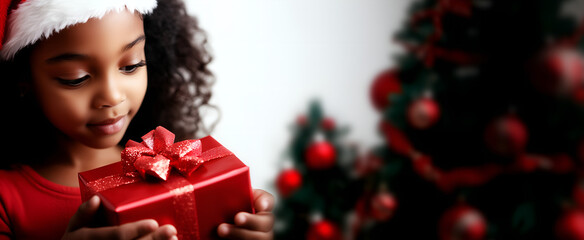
328	124
462	222
506	136
368	164
379	207
288	182
301	120
423	113
570	226
383	205
385	84
559	71
324	230
320	155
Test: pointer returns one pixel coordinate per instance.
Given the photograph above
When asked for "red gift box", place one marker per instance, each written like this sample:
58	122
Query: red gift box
194	201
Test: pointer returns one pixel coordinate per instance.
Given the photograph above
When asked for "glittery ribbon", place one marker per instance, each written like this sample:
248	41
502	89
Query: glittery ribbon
156	156
107	182
184	208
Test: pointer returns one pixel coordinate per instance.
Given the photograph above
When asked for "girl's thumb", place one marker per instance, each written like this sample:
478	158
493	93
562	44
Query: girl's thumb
84	214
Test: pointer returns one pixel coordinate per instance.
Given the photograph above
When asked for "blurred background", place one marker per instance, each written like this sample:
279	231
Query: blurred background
403	119
271	58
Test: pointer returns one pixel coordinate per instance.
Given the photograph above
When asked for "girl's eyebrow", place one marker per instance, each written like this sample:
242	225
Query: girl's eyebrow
79	57
67	57
130	45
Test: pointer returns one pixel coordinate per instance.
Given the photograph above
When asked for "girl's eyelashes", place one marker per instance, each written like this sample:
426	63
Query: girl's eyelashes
73	82
133	68
79	81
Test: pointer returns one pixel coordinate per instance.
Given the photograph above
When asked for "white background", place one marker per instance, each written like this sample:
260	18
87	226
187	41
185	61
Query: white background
272	57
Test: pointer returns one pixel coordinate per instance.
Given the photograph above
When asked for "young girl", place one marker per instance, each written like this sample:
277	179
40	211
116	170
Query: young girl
74	77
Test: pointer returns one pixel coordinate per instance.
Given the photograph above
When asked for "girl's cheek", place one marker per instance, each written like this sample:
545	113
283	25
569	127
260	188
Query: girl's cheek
139	88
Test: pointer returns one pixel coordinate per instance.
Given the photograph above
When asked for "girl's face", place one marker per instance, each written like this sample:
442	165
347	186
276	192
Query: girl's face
90	78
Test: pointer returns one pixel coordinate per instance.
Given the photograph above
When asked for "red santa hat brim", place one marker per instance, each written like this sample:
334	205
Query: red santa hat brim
36	19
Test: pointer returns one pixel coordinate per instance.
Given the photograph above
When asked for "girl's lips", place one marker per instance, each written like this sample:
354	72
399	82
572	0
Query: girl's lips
109	126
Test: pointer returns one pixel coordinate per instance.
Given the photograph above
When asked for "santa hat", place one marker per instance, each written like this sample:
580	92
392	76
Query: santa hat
23	22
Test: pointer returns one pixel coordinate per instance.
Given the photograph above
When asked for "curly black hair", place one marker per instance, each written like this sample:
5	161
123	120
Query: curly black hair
178	78
179	85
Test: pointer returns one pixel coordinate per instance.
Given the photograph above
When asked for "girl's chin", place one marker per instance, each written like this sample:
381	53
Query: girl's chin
103	142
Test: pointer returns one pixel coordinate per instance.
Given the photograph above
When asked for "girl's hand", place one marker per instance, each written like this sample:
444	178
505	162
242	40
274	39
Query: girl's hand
143	229
252	226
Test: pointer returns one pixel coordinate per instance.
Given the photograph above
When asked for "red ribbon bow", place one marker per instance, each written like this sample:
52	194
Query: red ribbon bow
157	154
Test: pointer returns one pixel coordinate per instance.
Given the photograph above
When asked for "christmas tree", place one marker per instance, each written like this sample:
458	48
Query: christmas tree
316	188
483	120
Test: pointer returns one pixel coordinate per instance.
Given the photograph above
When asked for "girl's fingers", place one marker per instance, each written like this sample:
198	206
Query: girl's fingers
166	232
84	214
134	230
231	232
262	221
144	230
263	201
127	231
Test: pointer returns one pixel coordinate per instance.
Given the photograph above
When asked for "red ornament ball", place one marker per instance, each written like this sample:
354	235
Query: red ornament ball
506	136
559	71
301	120
328	124
423	113
288	182
384	84
324	230
379	207
462	222
383	205
320	155
570	226
368	164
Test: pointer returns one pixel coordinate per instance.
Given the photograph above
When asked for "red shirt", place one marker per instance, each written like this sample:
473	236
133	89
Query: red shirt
32	207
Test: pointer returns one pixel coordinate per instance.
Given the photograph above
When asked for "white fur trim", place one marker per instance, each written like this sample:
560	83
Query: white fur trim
36	19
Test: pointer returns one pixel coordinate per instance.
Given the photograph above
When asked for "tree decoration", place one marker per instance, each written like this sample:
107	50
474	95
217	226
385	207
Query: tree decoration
383	206
368	164
315	177
423	113
324	230
570	226
384	85
559	71
288	182
506	136
320	155
328	124
462	222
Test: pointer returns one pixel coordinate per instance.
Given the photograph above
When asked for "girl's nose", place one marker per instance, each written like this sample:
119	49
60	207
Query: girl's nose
110	93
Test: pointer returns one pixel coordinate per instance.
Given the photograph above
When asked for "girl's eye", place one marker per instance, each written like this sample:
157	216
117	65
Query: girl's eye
133	68
73	82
